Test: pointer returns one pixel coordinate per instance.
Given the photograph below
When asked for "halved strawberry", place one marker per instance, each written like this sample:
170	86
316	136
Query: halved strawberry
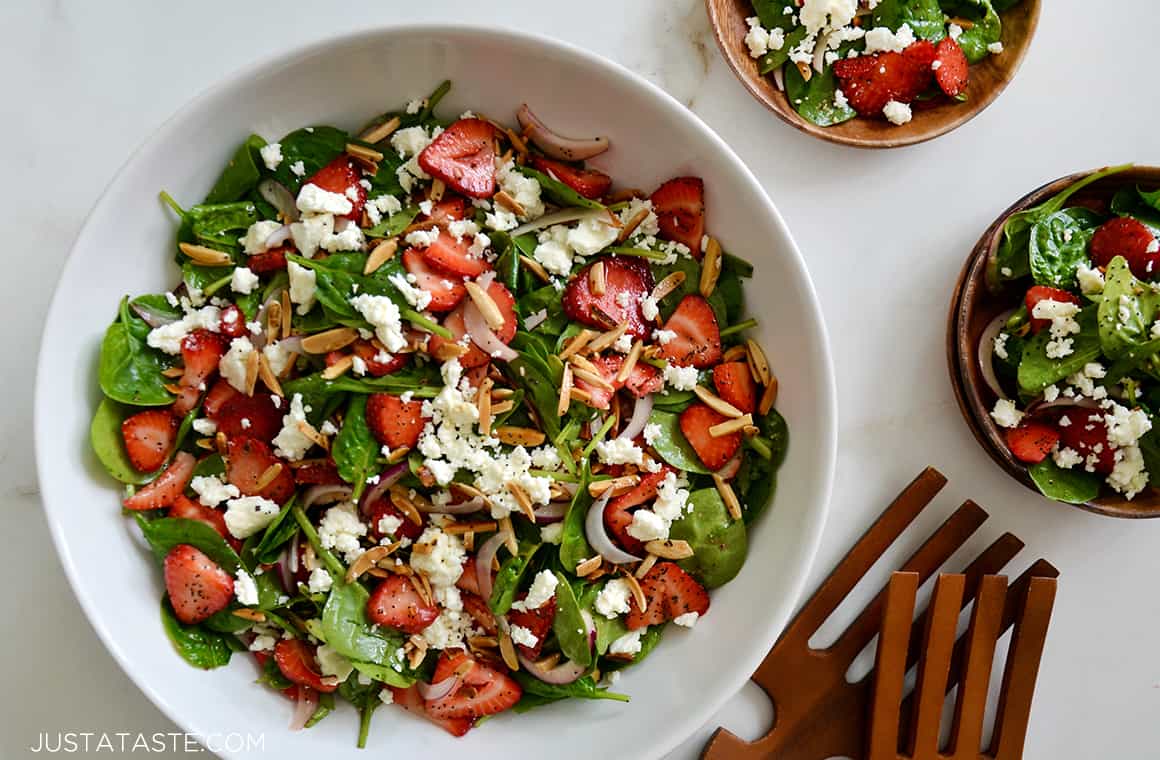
1032	441
1129	238
538	621
394	422
272	260
1087	434
219	393
670	592
412	701
318	474
698	341
450	208
163	490
734	384
627	282
618	514
680	208
469	580
871	81
188	509
149	437
201	351
482	690
713	451
954	71
384	507
295	658
1038	293
475	357
378	361
590	183
396	604
233	322
197	587
480	613
454	256
463	156
247	460
446	289
250	416
342	176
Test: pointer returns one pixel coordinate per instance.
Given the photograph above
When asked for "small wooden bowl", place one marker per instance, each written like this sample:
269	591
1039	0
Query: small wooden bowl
974	305
988	79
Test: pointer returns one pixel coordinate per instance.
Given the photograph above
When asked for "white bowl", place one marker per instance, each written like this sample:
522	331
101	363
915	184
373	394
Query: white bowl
124	248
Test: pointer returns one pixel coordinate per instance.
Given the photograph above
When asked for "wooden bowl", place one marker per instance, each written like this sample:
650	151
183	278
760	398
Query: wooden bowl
988	79
974	304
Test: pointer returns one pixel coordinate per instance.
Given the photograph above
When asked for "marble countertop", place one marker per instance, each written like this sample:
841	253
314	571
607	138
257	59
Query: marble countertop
884	234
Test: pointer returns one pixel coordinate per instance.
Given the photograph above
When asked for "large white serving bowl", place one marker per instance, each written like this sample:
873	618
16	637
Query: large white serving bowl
125	248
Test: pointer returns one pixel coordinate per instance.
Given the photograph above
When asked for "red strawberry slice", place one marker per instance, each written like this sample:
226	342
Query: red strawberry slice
247	460
149	437
273	260
618	511
475	357
394	422
601	397
483	690
698	341
197	587
1038	293
378	361
954	71
1032	441
219	393
680	208
233	322
538	621
589	183
250	416
734	384
480	613
627	282
412	701
317	474
166	487
201	351
449	209
446	289
1087	434
384	507
296	659
870	82
342	176
463	156
469	580
188	509
644	379
396	604
714	452
1129	238
454	256
670	592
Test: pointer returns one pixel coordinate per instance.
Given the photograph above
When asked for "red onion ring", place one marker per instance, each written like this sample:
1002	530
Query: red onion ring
563	216
482	335
1079	403
324	494
151	317
552	512
483	560
564	673
590	627
285	574
536	319
437	690
729	470
779	78
304	706
598	538
987	351
276	194
555	145
386	480
640	414
294	546
462	508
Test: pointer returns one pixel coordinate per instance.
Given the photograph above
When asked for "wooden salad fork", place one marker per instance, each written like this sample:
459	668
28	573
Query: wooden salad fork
817	713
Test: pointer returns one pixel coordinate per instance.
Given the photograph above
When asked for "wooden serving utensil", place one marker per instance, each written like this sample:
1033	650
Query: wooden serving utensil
817	713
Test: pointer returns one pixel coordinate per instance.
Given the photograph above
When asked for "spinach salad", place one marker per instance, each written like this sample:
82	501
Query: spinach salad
436	417
838	59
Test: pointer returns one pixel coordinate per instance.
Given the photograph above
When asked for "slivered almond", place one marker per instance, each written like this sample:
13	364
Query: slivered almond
535	268
522	499
269	379
173	371
368	559
502	393
448	351
716	403
805	70
519	436
768	396
598	487
728	496
479	526
581	395
673	548
221	443
361	151
483	403
750	430
596	278
329	340
339	368
378	572
483	642
251	372
510	203
630	227
486	305
469	541
173	388
728	427
312	433
593	378
606	339
507	650
578	342
565	392
710	267
287	314
589	566
758	363
505	525
423	587
438	187
735	354
380	132
309	558
205	443
516	141
256	616
630	362
424	224
418	653
645	566
383	252
401	497
626	194
398	454
205	256
502	407
274	319
268	475
963	23
637	591
559	493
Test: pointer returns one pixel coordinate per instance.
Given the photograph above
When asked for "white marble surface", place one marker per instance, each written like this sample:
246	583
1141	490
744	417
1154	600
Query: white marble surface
884	234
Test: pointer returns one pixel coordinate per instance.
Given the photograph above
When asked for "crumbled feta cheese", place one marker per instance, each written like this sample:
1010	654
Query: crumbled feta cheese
1126	426
341	529
271	155
388	524
347	237
524	190
443	564
1005	414
619	451
204	426
954	31
628	644
1066	458
245	588
612	600
995	48
664	337
309	233
1051	393
649	308
652	433
552	250
382	205
543	588
320	581
256	236
687	620
422	238
298	168
312	199
410	141
417	297
680	378
168	338
291	443
244	281
883	38
383	315
211	491
1001	345
278	356
247	515
646	525
233	364
897	113
552	533
501	220
522	635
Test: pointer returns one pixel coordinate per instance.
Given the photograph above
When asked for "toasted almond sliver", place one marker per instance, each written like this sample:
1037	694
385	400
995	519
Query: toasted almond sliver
483	642
644	567
502	393
368	559
637	591
483	403
626	194
578	342
519	436
598	487
486	305
269	379
589	566
251	372
268	476
312	433
769	396
479	526
596	278
593	379
505	526
205	256
758	363
728	427
274	318
423	587
605	340
205	443
448	351
438	187
507	650
339	368
710	267
728	496
383	252
363	152
805	70
287	314
750	430
963	23
402	499
173	388
221	443
716	403
516	141
630	227
735	354
329	340
502	407
581	395
422	548
173	371
510	203
565	392
380	132
670	549
397	455
535	268
630	362
256	616
309	558
523	499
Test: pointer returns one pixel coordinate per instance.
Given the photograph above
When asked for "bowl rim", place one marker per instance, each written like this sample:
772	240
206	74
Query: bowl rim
701	710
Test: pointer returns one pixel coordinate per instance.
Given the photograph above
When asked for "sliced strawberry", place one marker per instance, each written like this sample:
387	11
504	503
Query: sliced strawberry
396	604
463	156
1129	238
589	183
644	379
219	393
412	701
480	613
384	507
670	592
201	351
149	437
378	361
394	422
1087	434
197	587
188	509
273	260
482	690
618	514
446	289
342	176
233	322
454	256
871	81
713	451
450	208
469	580
475	357
166	487
601	397
296	659
1032	441
622	275
247	460
250	416
1038	293
954	71
698	341
538	621
734	384
680	208
318	474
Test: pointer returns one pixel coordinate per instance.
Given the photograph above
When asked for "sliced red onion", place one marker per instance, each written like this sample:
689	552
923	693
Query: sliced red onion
285	573
779	78
987	352
598	538
151	317
819	60
1063	402
563	216
292	344
324	494
482	335
437	690
462	508
278	237
590	627
386	480
553	512
276	194
564	673
486	279
555	145
483	560
640	414
304	706
536	319
292	563
729	470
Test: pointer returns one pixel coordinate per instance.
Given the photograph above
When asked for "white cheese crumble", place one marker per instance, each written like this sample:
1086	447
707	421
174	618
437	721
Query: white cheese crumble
271	154
687	620
1005	414
256	236
612	600
211	491
247	515
291	443
542	589
320	581
384	316
312	199
246	588
243	281
443	564
897	113
233	364
680	378
340	531
522	635
628	644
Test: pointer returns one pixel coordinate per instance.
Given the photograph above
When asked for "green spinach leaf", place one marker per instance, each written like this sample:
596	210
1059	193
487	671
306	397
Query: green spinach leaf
1037	371
671	444
196	644
130	371
925	17
1126	312
720	543
1074	486
507	580
308	149
109	445
1058	244
558	192
164	533
816	99
346	628
569	626
574	547
241	174
583	688
355	450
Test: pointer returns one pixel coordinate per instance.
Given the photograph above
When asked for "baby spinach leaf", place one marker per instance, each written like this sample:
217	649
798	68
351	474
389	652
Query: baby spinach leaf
1130	361
671	444
608	630
582	688
196	644
1037	371
1127	310
423	382
719	542
574	547
385	673
355	450
533	376
776	431
1150	450
815	99
314	147
129	370
109	445
1074	486
649	638
225	621
217	225
164	533
569	627
558	192
346	628
507	580
276	535
986	26
755	484
773	15
211	465
394	224
241	174
925	17
1058	244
